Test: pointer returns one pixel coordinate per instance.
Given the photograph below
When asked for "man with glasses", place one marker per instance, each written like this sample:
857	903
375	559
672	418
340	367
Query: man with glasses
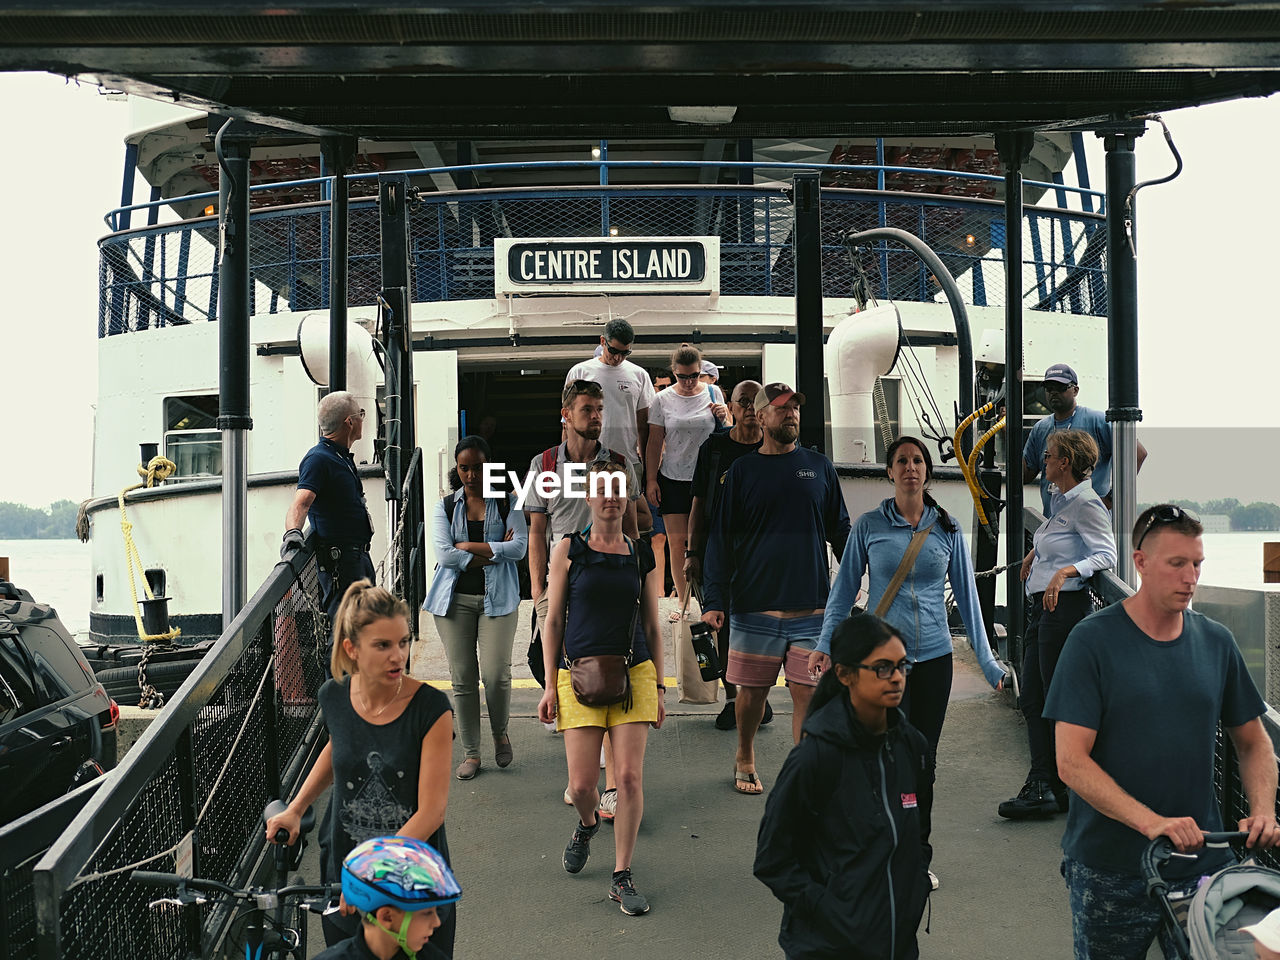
627	390
1061	387
1138	694
331	496
766	560
718	453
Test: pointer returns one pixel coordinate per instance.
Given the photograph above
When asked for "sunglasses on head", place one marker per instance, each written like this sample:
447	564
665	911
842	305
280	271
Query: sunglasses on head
618	351
1166	513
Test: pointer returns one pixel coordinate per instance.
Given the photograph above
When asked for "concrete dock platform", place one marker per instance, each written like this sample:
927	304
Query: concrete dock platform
1001	894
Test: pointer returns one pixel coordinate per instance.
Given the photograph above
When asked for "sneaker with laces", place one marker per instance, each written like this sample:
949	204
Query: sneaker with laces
1035	799
608	808
728	716
579	848
623	891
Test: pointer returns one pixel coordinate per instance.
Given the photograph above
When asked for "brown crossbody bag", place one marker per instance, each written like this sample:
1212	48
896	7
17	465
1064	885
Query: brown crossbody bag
601	680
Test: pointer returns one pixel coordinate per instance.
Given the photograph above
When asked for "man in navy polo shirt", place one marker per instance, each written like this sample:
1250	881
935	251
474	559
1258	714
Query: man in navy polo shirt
331	496
1061	387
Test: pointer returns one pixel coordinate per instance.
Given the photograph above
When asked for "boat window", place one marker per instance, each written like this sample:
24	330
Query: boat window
191	437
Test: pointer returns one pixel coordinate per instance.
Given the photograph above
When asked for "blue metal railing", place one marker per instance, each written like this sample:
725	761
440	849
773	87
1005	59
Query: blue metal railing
121	217
166	274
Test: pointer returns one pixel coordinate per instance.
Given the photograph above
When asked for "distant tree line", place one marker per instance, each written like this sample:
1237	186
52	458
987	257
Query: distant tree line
56	522
1244	516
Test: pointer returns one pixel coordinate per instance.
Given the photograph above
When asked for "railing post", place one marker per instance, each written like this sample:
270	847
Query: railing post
810	373
190	808
233	360
393	214
1014	148
1123	411
604	182
338	152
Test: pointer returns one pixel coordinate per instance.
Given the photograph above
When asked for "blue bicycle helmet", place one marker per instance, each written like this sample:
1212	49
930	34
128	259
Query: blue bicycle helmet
398	872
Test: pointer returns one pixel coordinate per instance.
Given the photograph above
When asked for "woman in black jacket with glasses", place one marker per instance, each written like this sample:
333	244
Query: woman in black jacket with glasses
841	841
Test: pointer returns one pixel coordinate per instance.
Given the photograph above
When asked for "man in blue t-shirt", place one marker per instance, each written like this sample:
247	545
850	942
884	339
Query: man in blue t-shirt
766	562
1061	387
331	495
1138	695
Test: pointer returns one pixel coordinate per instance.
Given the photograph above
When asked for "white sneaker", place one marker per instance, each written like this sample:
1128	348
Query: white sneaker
602	756
569	800
933	880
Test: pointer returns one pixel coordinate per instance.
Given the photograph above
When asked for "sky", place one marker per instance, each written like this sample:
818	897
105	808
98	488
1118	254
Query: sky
1207	310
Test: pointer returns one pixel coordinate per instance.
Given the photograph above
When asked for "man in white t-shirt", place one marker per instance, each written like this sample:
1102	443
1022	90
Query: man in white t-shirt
627	390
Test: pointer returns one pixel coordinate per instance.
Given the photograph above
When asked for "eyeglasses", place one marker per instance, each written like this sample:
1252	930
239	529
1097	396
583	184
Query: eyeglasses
1053	386
1165	513
884	669
747	402
688	376
1054	456
618	351
358	416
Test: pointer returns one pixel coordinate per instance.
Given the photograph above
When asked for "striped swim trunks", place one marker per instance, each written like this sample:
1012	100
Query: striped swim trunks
759	644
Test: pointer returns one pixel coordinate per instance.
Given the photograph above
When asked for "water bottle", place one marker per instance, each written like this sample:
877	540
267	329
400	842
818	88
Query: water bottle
704	649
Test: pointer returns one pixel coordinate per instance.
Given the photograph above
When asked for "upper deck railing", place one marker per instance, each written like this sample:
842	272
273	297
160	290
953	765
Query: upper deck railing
165	274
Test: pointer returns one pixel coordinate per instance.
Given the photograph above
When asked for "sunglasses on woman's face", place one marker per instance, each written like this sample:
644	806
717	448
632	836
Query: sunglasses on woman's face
687	376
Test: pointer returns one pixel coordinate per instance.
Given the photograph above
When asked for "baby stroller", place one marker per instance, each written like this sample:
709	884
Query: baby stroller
1232	898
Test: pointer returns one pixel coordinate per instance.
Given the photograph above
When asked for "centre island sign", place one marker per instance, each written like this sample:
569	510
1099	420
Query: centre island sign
598	265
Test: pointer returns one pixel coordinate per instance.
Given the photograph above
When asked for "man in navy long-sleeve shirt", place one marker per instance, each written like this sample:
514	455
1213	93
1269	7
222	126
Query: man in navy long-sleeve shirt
767	559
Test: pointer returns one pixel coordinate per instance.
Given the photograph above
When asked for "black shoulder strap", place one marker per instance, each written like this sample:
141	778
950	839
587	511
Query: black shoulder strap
447	503
713	478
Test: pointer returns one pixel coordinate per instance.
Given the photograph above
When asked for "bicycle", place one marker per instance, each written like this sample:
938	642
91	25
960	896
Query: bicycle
267	933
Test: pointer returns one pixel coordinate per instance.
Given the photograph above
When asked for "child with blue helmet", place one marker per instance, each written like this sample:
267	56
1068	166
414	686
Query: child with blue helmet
397	885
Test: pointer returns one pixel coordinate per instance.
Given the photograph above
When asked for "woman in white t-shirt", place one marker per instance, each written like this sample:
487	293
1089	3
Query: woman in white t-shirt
679	420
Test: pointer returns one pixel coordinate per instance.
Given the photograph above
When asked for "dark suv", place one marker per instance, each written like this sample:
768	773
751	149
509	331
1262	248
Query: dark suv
57	724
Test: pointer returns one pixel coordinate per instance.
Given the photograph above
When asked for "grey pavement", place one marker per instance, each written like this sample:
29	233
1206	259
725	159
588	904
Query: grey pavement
1001	894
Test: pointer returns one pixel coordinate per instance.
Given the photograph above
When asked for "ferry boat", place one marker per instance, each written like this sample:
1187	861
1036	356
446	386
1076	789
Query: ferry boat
496	324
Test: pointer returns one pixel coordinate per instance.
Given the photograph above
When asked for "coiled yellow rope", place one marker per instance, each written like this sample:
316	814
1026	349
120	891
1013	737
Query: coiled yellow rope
156	470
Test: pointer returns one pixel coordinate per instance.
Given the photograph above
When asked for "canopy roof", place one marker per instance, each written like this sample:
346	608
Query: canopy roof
614	68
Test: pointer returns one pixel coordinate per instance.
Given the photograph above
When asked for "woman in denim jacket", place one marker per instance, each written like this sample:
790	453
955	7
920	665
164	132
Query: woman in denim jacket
474	597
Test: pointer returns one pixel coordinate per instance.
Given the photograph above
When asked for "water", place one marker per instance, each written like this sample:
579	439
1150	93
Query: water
58	572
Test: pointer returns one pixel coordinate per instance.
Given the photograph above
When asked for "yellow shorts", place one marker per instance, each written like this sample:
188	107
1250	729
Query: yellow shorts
571	714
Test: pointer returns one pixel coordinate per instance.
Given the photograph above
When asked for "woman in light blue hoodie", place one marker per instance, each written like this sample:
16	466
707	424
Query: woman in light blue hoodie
919	612
474	598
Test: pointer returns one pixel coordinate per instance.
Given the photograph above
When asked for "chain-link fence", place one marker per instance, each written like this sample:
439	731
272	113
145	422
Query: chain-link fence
166	275
189	796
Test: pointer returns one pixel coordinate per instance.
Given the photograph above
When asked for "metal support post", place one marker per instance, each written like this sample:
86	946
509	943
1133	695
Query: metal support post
394	221
233	365
1123	411
810	372
338	153
1014	148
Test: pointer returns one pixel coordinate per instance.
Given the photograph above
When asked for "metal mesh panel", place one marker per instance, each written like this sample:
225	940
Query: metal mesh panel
165	275
18	910
249	736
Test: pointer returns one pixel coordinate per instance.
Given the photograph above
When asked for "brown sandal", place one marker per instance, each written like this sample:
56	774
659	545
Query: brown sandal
752	778
468	768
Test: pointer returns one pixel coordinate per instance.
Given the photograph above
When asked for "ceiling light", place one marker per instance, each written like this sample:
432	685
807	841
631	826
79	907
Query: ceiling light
702	114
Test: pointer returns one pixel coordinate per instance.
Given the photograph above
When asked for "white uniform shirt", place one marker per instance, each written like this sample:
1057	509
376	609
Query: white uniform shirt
627	389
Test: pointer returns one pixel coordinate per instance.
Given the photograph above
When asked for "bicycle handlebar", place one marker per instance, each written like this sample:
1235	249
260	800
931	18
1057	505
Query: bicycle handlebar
152	878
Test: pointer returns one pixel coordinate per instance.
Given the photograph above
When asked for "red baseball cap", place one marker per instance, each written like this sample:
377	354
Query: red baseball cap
775	395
